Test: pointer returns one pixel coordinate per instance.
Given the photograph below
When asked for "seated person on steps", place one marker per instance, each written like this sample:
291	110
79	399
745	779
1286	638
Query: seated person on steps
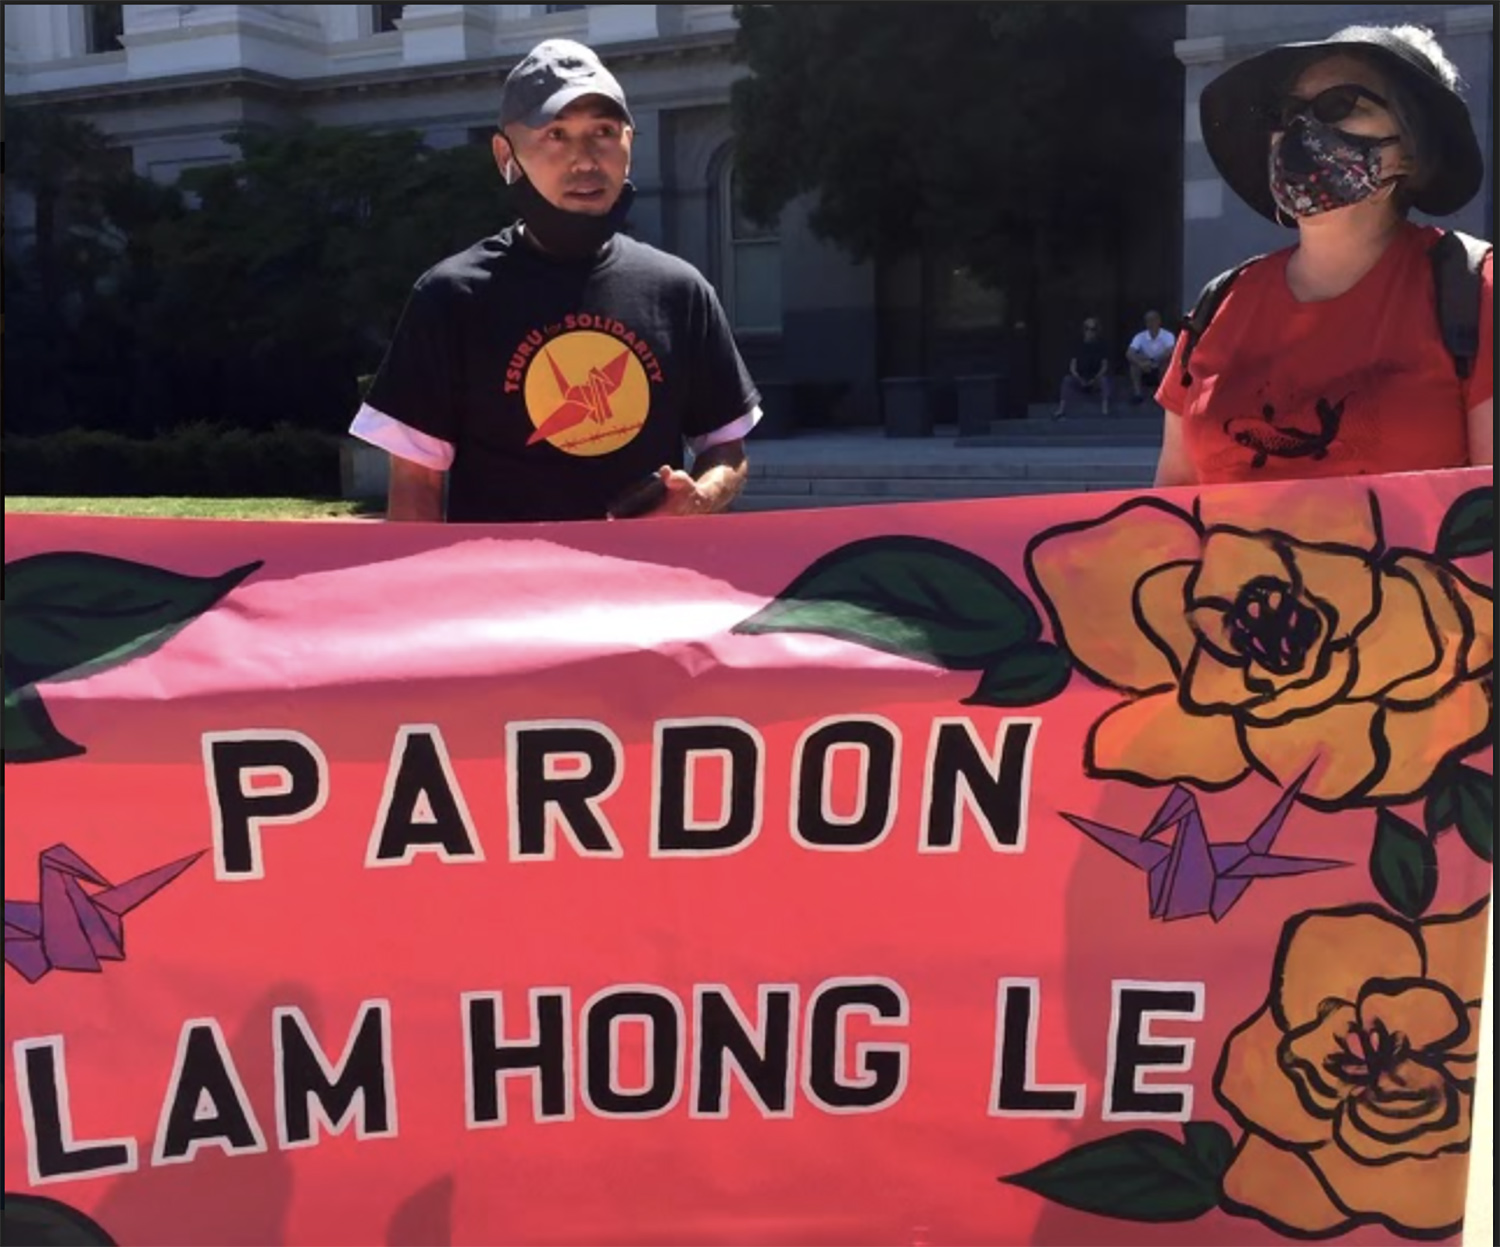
1088	370
1147	355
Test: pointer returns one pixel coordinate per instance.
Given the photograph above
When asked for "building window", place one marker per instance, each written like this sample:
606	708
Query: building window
383	17
751	266
104	27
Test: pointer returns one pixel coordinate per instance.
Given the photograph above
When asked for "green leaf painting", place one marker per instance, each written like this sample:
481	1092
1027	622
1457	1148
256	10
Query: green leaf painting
29	734
1468	528
1464	799
72	614
1024	676
1403	865
1140	1175
926	600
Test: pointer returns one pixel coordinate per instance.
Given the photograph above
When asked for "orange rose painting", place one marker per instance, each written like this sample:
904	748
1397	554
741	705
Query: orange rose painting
1270	651
1355	1083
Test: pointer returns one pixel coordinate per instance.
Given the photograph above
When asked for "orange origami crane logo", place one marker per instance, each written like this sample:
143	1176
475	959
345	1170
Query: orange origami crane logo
586	393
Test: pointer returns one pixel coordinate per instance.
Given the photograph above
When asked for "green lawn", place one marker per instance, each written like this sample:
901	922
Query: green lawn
195	508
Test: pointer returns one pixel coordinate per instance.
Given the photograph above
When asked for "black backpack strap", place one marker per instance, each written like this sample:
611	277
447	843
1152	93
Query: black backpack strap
1457	261
1195	323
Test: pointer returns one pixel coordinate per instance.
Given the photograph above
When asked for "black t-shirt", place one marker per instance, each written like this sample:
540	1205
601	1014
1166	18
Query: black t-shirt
1089	357
560	384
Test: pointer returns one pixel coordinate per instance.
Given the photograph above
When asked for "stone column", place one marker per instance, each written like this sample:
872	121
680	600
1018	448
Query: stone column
443	33
162	40
646	216
623	23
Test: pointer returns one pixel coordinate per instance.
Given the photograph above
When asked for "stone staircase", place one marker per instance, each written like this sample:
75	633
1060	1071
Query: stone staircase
1034	456
1129	428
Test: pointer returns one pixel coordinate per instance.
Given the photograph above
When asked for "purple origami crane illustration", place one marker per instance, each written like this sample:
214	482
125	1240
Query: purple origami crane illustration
70	928
1191	877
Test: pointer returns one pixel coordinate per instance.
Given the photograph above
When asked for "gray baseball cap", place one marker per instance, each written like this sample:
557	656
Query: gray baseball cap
552	76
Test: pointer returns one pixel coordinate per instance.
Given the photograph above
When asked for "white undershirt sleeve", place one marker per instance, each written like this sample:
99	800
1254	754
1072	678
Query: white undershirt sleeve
401	440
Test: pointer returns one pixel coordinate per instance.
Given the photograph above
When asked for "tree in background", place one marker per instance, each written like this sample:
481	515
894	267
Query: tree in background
299	256
990	132
255	292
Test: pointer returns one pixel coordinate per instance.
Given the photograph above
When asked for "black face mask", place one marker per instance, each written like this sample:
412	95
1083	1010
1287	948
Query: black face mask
567	235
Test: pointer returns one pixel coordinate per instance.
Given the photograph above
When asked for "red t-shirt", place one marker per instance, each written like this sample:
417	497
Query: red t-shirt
1357	384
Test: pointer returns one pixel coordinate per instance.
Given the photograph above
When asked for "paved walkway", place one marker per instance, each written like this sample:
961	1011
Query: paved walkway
871	449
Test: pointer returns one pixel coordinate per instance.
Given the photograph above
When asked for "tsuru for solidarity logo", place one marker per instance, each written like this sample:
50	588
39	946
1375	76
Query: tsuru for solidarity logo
586	393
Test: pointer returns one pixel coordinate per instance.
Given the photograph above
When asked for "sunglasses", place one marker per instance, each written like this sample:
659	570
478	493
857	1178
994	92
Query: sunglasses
1330	106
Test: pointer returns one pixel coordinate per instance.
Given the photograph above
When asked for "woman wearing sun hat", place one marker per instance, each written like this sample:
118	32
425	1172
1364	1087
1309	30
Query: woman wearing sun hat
1326	358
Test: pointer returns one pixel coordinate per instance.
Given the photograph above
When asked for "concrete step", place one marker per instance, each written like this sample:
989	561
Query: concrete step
990	468
1081	441
859	470
1127	411
891	486
786	494
1083	430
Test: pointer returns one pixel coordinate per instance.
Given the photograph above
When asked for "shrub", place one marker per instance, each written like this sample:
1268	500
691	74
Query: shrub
194	460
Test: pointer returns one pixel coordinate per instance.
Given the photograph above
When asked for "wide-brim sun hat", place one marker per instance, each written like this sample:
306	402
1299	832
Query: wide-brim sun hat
1236	111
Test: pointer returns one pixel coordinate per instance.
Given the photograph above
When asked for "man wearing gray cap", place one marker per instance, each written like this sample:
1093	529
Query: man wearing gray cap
560	369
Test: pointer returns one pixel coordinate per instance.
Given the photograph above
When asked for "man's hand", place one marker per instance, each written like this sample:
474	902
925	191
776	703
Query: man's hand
683	495
718	476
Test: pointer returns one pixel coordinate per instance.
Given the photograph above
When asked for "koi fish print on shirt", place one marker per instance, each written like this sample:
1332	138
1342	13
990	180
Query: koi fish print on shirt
1266	436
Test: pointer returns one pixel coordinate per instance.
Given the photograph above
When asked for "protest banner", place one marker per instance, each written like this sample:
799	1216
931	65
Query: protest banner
1102	868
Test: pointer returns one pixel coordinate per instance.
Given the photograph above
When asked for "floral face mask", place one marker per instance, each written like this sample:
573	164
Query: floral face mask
1316	167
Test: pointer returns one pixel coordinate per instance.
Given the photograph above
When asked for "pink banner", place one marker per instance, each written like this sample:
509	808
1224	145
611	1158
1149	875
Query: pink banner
1054	870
